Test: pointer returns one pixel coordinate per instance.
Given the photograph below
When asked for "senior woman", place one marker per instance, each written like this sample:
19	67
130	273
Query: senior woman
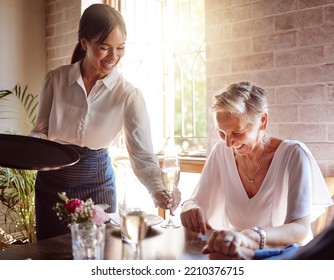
255	190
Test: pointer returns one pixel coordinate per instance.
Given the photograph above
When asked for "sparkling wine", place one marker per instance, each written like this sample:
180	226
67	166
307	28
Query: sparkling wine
134	225
170	179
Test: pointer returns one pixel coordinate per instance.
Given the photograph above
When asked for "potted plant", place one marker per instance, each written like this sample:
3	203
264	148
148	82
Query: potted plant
17	193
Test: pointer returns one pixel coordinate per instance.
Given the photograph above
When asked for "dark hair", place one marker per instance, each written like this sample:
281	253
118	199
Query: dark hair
97	19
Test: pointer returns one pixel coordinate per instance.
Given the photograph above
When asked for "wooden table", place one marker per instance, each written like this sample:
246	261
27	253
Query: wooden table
159	243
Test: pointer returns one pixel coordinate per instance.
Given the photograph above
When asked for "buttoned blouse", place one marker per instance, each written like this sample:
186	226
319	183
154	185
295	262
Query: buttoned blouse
69	116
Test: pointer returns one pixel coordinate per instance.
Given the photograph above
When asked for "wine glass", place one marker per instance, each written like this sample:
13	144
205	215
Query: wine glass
170	179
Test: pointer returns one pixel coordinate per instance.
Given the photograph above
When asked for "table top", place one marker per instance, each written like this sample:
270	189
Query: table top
168	244
31	153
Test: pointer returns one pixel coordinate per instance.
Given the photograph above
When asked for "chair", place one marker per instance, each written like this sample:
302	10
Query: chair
327	217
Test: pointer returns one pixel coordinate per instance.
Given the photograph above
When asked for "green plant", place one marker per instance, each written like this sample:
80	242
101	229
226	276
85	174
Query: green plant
25	99
17	191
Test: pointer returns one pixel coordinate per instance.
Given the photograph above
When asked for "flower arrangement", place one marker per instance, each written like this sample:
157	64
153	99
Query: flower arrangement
74	210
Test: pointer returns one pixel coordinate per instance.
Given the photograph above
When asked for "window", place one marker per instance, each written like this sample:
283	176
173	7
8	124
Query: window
165	58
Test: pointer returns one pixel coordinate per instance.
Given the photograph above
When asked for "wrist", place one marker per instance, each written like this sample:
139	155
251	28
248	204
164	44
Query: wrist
156	189
263	236
188	204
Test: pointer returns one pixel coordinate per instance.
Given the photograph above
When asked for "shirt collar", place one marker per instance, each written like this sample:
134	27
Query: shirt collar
75	74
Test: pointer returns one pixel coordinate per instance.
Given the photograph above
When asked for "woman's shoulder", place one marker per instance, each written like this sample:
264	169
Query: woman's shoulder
128	86
219	150
62	68
293	148
219	146
62	71
292	145
123	88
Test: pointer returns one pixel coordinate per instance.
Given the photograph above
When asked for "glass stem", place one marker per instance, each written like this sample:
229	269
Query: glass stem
170	218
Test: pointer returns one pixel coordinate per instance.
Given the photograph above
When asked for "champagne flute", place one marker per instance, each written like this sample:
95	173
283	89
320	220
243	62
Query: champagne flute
170	179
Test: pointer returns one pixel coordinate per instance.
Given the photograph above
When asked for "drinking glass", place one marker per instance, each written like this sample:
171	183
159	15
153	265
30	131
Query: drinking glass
133	228
88	241
170	179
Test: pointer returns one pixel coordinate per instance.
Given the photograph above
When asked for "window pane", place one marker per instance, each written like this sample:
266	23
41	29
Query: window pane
165	58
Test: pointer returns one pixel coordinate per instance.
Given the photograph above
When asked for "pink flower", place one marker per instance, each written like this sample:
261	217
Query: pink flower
75	210
72	205
99	216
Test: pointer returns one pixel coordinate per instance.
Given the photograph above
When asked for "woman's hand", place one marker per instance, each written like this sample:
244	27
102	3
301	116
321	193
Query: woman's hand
192	217
228	245
163	200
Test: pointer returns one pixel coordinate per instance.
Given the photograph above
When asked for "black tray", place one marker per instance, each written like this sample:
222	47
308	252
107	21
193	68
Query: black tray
25	152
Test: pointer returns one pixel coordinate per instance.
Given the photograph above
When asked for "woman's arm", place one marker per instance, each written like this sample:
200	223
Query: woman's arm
143	160
41	126
276	237
242	245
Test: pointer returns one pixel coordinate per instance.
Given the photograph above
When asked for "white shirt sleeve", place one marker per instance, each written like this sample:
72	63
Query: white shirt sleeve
41	127
209	192
138	141
304	171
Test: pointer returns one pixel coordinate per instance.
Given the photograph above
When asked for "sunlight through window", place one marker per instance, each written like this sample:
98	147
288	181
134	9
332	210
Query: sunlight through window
165	58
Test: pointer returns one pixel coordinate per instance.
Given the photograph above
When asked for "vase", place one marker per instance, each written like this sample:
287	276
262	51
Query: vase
88	241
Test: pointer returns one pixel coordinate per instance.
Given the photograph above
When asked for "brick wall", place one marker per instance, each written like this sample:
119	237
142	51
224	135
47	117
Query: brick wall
62	20
288	48
285	46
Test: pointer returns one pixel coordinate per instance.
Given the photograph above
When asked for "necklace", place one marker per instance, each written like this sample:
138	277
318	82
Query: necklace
251	180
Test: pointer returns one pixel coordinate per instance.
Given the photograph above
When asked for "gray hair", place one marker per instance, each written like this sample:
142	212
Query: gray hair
242	99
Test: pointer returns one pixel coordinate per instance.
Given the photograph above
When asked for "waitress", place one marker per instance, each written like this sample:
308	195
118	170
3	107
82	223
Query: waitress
86	105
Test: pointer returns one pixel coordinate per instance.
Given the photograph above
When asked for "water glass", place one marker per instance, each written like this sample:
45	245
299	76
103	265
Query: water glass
88	241
133	225
133	228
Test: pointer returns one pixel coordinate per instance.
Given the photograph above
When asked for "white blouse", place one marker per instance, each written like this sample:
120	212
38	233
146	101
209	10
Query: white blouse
293	188
68	116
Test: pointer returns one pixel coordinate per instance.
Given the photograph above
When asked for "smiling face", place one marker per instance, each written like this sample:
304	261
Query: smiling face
239	134
101	59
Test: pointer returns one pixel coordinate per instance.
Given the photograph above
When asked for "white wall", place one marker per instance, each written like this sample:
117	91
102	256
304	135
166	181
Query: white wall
22	47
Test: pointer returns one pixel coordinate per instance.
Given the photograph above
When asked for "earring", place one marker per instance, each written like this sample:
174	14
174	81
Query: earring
265	138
